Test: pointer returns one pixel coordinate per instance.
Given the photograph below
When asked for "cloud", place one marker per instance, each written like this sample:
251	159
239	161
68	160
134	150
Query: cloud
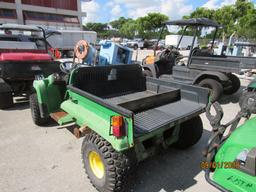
211	4
136	3
92	9
227	2
116	10
173	8
215	4
176	9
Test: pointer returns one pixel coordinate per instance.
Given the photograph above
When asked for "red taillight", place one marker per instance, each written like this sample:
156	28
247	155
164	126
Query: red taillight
118	128
57	54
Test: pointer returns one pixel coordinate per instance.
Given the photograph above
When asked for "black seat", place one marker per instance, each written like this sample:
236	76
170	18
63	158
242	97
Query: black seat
202	52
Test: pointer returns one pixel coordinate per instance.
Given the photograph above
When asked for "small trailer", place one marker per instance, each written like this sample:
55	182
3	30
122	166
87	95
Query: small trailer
124	116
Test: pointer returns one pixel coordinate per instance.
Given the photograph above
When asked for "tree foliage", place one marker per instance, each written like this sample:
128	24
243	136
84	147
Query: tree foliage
98	27
150	25
145	27
117	24
240	17
246	21
129	29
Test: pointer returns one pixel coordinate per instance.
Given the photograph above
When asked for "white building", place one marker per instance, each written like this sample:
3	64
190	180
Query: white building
59	14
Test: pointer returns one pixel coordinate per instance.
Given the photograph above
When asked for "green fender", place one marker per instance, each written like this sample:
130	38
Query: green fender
49	94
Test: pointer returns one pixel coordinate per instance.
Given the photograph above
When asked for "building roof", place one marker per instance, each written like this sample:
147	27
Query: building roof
194	22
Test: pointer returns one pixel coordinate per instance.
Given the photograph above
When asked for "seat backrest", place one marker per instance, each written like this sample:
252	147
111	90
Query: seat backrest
202	52
109	81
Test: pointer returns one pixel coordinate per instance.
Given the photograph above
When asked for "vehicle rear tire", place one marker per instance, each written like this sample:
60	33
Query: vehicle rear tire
6	100
35	112
235	85
147	73
216	89
190	133
107	169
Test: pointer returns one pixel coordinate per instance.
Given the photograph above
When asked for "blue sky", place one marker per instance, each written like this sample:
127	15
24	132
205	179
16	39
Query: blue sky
107	10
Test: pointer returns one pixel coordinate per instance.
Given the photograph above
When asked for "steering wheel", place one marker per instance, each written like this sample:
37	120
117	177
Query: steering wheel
67	66
194	50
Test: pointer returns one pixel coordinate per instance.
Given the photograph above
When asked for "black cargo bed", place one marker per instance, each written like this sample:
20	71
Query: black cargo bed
151	119
228	64
153	103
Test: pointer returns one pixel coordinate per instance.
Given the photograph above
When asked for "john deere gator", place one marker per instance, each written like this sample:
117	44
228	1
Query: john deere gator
123	116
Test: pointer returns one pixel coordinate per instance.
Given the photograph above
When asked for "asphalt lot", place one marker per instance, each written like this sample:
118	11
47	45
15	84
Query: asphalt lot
47	159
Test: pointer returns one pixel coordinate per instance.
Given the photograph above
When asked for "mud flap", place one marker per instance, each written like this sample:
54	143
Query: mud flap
6	99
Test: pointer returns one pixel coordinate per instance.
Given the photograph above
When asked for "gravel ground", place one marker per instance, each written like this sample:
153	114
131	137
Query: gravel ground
36	159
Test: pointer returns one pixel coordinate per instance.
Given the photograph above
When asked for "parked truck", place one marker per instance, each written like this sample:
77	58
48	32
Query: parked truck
66	41
124	116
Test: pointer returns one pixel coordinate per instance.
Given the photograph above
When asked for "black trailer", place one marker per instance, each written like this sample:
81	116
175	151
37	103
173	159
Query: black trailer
23	57
203	68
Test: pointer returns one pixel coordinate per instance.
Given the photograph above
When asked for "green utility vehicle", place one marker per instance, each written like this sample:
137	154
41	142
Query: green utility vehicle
124	116
231	154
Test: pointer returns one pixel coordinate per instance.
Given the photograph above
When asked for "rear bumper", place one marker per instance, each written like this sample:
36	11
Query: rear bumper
4	87
27	70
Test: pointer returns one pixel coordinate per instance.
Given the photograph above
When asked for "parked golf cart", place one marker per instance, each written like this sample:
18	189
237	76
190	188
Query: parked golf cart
23	57
124	116
202	68
238	49
231	156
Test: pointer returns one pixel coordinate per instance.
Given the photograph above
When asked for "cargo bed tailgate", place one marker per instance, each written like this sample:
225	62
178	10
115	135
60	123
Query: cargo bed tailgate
166	115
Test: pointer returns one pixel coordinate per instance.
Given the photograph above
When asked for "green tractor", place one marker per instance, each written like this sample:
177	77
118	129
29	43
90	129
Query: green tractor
231	152
123	116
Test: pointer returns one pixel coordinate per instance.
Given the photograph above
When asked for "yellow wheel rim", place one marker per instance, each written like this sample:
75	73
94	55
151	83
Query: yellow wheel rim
96	164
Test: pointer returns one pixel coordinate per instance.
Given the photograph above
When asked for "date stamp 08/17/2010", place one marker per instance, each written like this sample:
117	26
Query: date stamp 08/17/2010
220	165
